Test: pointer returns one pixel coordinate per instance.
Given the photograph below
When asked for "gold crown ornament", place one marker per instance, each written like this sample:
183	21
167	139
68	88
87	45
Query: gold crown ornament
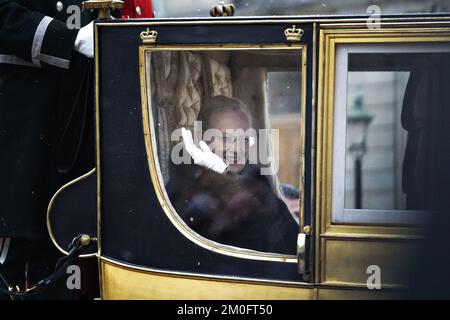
148	36
293	34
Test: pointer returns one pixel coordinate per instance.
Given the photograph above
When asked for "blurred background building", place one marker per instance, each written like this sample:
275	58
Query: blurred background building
200	8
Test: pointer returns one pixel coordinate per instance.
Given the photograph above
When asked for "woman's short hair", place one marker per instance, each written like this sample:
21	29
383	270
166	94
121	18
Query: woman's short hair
221	104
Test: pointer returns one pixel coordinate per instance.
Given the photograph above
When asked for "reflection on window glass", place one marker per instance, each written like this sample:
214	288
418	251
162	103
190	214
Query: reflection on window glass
284	109
282	95
222	126
395	130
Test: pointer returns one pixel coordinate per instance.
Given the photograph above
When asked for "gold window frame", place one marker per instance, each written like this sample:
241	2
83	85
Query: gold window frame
152	157
345	235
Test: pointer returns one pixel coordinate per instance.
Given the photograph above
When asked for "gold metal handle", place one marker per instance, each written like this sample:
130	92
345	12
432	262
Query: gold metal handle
104	7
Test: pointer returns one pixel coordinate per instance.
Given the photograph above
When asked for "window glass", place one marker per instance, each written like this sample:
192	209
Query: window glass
374	165
284	109
391	129
227	134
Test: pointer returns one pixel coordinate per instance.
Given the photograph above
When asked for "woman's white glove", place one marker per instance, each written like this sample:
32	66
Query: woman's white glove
202	156
84	43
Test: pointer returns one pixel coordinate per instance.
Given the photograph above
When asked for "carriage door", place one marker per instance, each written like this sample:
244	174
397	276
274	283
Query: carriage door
383	95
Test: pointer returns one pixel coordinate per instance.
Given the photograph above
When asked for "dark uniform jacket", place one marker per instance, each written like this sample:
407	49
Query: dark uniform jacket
45	103
235	209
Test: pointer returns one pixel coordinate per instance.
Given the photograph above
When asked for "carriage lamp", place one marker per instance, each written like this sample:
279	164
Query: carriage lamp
358	121
222	10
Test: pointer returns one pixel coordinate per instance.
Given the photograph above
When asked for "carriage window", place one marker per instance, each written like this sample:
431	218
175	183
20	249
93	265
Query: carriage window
390	103
227	126
284	110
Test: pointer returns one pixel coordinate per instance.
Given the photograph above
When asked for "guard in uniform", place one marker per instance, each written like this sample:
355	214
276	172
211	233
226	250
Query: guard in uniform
46	124
46	127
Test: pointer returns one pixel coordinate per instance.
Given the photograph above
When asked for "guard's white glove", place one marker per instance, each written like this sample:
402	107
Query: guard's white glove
84	43
202	156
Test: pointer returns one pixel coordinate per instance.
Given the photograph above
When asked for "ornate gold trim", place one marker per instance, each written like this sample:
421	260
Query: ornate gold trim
324	21
369	237
153	159
179	274
339	286
312	261
97	155
49	210
442	22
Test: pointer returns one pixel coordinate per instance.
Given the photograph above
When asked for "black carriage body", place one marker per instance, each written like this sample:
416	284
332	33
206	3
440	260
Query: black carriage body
138	237
133	227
